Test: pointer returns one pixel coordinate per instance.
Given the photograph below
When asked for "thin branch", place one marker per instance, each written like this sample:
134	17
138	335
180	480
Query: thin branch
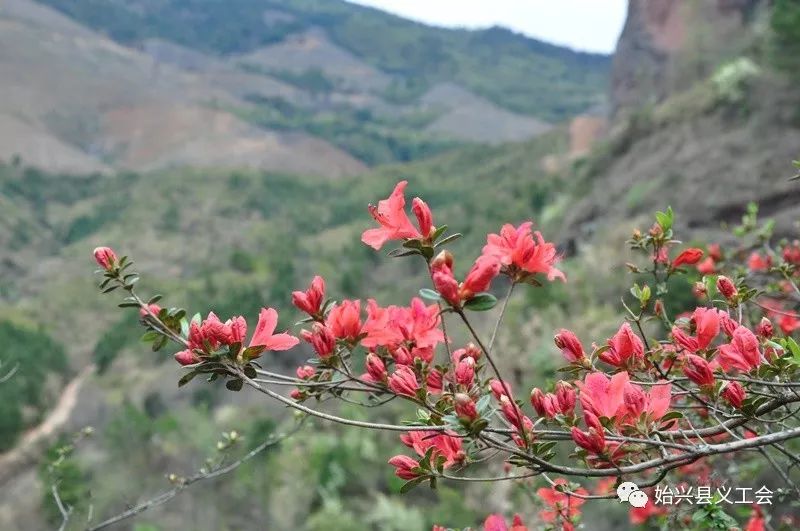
166	496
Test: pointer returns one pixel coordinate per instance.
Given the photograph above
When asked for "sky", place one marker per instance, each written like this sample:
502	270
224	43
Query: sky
588	25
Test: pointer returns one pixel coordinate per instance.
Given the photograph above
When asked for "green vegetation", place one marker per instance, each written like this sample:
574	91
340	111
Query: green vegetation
35	357
785	23
519	73
370	137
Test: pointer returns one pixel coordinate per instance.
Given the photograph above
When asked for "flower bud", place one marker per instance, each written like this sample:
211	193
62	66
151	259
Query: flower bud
105	257
570	346
499	388
593	440
435	381
689	257
699	290
658	307
765	328
403	466
565	397
727	288
734	393
153	308
698	370
186	357
537	401
404	382
444	258
305	372
465	407
465	371
375	367
634	399
423	215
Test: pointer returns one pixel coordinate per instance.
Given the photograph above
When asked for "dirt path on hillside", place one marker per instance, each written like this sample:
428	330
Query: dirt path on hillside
33	441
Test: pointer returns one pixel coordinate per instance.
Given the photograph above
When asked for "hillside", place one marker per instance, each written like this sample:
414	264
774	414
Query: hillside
407	58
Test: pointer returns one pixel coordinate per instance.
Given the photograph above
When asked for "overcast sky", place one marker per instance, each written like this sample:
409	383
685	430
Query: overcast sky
591	25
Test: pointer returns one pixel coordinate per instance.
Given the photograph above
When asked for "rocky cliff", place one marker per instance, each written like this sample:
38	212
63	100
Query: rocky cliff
666	45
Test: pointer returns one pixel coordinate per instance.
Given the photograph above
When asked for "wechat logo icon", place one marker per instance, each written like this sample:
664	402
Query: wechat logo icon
629	492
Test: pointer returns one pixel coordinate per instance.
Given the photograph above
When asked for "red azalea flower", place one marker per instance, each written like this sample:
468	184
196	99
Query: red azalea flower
392	218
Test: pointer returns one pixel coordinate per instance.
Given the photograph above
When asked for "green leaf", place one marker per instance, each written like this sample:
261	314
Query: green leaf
234	385
438	232
186	378
154	299
152	335
451	238
431	295
159	343
665	219
481	302
408	485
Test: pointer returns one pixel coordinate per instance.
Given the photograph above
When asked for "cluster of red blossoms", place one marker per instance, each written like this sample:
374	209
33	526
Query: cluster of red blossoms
617	403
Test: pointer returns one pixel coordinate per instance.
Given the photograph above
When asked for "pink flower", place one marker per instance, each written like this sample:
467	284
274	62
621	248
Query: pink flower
500	388
423	215
465	371
603	396
570	346
707	266
756	262
698	370
344	320
305	372
640	515
479	277
310	301
765	328
376	370
404	382
447	445
321	339
734	393
187	357
742	352
416	326
560	505
623	346
791	253
593	440
105	257
520	249
152	308
756	521
446	284
542	403
392	218
707	322
435	381
689	256
465	407
565	397
655	403
264	336
404	466
495	522
726	287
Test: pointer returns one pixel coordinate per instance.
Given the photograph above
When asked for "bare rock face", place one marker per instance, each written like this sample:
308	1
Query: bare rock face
666	45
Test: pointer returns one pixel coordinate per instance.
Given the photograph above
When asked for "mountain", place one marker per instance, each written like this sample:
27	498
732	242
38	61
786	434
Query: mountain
405	57
282	86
